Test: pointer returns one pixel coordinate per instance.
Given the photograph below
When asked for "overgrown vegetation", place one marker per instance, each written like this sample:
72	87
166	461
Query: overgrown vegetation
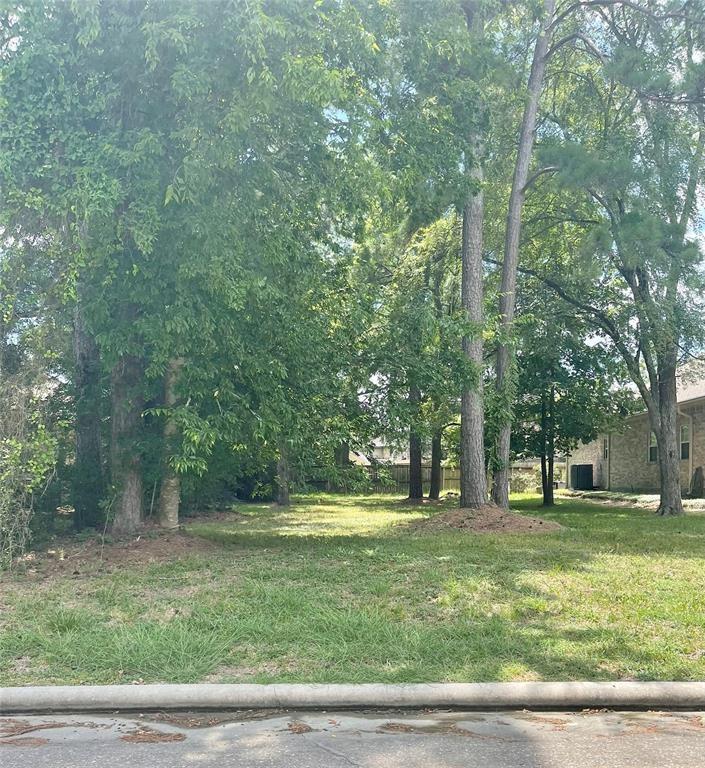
239	239
356	597
27	457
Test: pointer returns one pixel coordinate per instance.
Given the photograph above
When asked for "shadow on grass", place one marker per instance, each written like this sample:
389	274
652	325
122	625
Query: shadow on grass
284	598
590	528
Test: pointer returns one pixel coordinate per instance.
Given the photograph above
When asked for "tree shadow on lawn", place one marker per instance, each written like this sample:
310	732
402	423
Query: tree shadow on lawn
366	608
346	643
625	530
500	649
540	637
631	534
590	527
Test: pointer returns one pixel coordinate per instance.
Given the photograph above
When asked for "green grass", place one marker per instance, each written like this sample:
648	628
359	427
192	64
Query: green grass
340	589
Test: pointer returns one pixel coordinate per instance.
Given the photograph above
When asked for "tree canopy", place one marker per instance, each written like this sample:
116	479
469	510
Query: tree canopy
240	238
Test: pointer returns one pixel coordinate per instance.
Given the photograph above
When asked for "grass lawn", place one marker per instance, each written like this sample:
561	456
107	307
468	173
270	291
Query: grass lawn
340	589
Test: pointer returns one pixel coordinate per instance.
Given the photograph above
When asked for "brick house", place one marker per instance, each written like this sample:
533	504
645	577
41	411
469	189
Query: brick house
627	460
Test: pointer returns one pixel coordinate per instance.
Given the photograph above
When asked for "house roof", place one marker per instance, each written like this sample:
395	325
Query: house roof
691	386
690	389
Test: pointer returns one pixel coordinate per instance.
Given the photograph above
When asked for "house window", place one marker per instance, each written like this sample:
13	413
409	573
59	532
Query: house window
605	448
685	442
653	449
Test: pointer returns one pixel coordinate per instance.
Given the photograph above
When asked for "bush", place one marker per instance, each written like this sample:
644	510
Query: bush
27	457
522	482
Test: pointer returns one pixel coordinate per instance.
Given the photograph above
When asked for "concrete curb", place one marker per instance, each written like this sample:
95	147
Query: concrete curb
466	696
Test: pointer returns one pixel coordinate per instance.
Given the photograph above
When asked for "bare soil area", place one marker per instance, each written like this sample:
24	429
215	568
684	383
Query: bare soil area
73	558
487	519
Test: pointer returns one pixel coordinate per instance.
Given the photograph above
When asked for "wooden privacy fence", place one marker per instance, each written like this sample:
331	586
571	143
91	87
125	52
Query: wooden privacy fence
394	478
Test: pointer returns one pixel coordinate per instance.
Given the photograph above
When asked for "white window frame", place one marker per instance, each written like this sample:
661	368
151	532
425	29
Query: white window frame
683	442
652	446
605	447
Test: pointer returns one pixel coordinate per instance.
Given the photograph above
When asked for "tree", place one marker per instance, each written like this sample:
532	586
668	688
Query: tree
157	176
418	362
433	120
569	388
639	162
510	264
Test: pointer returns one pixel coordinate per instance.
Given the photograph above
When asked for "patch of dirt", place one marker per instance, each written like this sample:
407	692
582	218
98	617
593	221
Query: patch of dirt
396	728
146	735
419	502
445	728
697	722
557	723
643	728
21	665
24	741
487	519
210	719
13	727
298	727
152	545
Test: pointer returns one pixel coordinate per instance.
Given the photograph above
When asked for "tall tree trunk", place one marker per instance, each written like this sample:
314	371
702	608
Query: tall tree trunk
127	406
415	458
283	497
544	462
507	297
473	476
436	445
87	488
342	455
170	489
473	473
548	496
544	476
671	502
415	466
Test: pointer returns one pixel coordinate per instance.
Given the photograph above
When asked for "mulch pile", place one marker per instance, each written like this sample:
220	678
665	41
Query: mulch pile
487	519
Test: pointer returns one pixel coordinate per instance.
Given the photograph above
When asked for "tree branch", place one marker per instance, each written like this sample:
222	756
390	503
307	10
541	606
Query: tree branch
624	3
541	172
605	323
589	45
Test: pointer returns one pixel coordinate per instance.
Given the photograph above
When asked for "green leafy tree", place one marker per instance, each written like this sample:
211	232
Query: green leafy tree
638	161
569	386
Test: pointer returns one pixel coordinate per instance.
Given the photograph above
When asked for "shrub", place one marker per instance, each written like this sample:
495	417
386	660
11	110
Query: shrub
27	457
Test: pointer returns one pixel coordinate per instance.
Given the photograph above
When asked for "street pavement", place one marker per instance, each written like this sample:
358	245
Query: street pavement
591	739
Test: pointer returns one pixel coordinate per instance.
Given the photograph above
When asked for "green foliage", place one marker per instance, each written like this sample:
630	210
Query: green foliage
27	458
420	325
270	192
570	387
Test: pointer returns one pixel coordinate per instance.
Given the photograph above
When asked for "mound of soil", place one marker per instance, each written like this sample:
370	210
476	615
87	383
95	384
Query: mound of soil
425	501
77	558
487	519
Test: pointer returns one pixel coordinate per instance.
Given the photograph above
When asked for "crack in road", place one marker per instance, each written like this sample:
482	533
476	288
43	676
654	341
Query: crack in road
335	753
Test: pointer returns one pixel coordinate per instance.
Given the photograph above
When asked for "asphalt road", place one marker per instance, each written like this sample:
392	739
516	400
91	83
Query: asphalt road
372	740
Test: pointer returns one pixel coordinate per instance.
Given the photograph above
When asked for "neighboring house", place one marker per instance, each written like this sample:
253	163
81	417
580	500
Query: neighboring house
627	460
387	453
382	451
358	458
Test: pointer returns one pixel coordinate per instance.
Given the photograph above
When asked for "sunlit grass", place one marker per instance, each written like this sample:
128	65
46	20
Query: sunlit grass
314	516
343	589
